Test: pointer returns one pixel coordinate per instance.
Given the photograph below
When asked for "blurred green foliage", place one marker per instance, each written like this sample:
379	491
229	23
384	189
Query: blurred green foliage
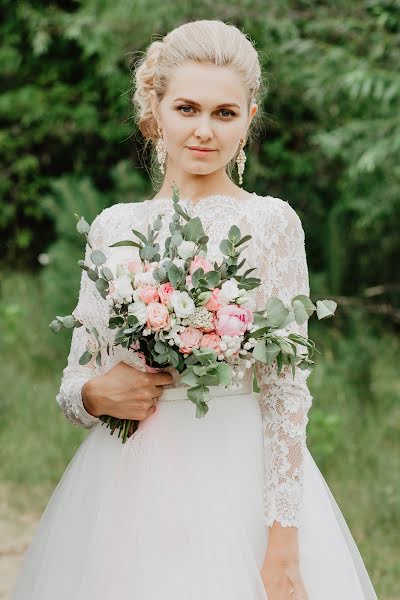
330	144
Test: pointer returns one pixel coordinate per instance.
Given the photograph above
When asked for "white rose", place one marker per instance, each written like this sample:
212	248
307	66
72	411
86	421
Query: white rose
136	295
138	309
145	279
182	304
229	291
119	255
246	301
122	291
186	249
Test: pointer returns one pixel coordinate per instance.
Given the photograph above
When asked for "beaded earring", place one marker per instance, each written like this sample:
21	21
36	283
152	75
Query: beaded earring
240	160
161	151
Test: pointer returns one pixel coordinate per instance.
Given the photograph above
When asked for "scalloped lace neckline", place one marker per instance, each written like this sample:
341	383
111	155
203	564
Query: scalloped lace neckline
203	200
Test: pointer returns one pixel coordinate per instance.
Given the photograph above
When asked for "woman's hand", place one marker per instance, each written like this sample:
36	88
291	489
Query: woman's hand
282	580
281	571
124	392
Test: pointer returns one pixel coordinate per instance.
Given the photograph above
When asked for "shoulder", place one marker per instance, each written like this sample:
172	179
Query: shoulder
110	219
278	214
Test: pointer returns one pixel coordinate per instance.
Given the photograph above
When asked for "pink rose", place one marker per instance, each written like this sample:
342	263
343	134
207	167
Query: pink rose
191	338
233	320
211	340
135	266
157	316
165	291
200	263
149	294
213	303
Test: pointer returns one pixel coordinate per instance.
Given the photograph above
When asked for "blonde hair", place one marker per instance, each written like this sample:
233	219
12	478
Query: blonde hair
203	41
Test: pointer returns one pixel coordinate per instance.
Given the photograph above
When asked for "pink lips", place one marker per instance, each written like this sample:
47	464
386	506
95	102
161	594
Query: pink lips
200	151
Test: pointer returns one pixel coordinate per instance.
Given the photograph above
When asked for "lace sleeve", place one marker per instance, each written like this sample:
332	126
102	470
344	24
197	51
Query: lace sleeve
75	375
284	401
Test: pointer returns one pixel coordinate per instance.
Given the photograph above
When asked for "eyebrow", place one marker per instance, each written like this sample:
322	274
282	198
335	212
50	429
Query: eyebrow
197	104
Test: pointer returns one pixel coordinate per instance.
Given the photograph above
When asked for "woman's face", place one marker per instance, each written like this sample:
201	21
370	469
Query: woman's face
205	106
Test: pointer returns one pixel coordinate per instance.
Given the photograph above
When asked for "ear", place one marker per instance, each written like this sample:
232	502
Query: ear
253	110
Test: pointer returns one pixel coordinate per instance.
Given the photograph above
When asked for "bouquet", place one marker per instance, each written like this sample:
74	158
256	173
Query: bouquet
182	311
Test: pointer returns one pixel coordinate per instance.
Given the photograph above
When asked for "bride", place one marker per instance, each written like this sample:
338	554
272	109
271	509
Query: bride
230	506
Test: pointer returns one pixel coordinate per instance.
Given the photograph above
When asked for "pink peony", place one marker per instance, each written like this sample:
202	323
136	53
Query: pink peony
164	291
157	316
211	340
213	303
232	320
199	262
149	294
191	338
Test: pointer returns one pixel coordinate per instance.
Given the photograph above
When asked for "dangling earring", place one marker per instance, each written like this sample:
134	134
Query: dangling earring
161	151
240	160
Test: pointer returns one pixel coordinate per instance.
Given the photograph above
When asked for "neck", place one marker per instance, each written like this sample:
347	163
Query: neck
196	187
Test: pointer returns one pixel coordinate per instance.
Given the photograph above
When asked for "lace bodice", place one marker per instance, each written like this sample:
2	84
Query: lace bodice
277	250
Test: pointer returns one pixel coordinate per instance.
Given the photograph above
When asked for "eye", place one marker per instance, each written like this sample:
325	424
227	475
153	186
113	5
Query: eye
226	110
179	108
232	114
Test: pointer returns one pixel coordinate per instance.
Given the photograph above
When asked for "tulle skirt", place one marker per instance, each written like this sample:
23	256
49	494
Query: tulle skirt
176	513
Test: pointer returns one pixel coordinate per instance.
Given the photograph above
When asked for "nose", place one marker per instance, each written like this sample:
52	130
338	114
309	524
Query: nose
204	130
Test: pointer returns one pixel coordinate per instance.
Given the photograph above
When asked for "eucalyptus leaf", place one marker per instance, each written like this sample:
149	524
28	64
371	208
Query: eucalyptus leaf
98	257
85	358
226	247
69	322
234	234
108	274
205	354
92	274
193	230
148	253
300	313
126	243
196	276
188	377
213	278
55	326
176	239
174	275
83	226
102	285
225	373
244	239
275	312
325	308
140	235
196	394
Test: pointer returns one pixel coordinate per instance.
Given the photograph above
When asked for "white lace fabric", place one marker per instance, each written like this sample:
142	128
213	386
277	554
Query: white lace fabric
277	250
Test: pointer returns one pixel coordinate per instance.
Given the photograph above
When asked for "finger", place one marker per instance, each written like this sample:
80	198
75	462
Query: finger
161	378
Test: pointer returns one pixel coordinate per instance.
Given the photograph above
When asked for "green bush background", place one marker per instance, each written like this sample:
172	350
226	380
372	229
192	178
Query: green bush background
329	146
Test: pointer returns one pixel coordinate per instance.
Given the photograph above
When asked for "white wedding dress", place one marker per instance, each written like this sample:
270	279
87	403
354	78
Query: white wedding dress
182	510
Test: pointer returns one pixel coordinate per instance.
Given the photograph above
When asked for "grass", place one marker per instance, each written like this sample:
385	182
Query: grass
353	432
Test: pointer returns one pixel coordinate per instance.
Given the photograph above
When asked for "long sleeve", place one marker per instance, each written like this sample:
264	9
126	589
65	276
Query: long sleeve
284	401
75	375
